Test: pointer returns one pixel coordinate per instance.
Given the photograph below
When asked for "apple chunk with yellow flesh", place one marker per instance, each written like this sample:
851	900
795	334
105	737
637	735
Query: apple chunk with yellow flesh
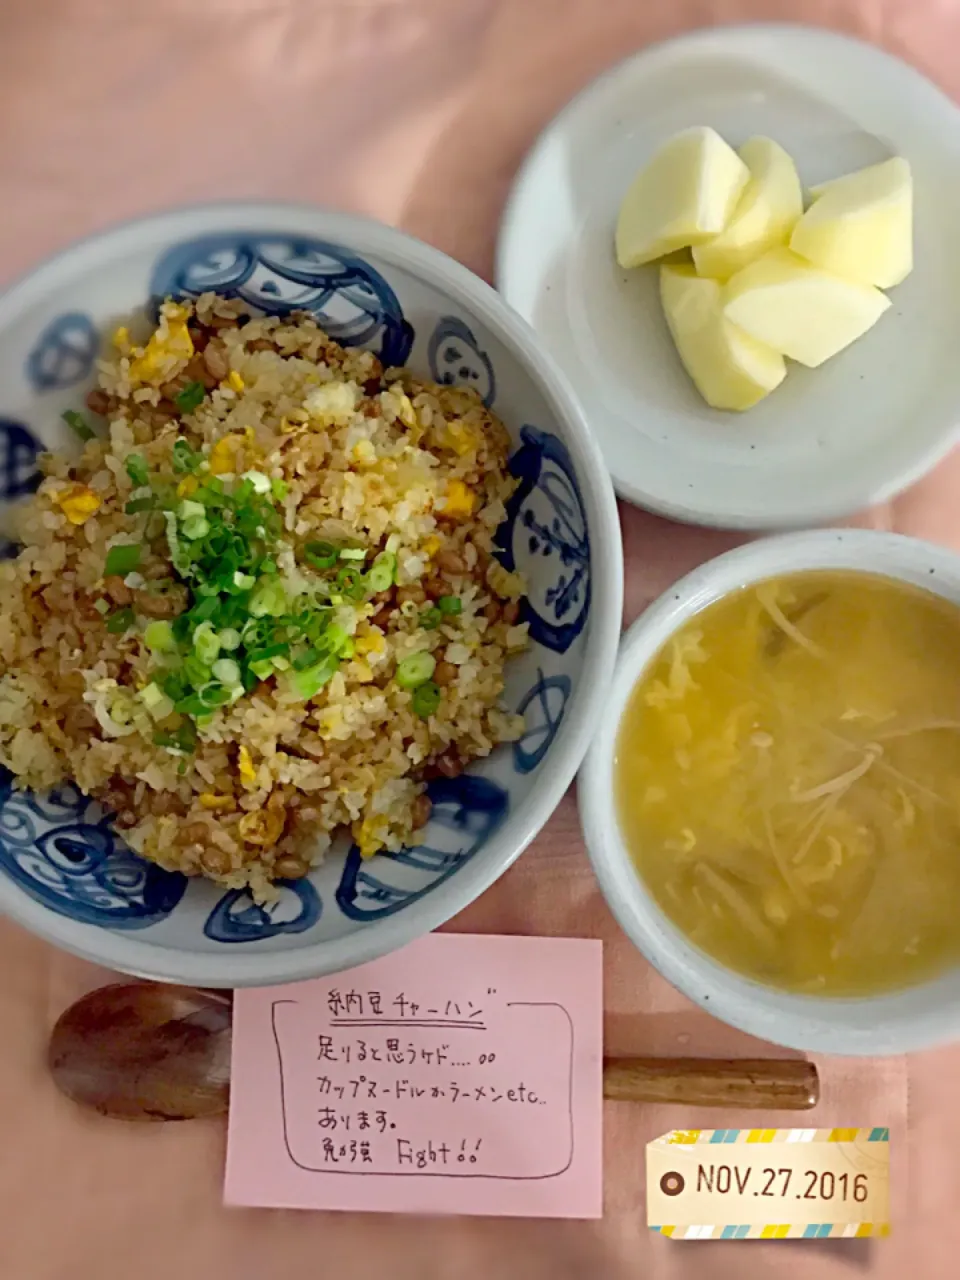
861	226
684	195
730	369
769	209
799	310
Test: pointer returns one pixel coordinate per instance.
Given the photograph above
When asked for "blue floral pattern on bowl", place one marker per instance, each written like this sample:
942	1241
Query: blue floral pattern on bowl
348	297
465	811
64	353
546	521
542	710
60	850
19	448
455	358
237	918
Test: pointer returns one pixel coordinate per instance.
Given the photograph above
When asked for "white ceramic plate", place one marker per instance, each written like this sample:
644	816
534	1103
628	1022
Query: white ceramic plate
829	440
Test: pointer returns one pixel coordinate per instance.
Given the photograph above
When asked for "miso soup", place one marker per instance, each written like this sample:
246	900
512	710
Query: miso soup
788	782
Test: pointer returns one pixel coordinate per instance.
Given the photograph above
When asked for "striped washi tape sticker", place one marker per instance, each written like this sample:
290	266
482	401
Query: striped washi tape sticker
775	1231
739	1184
713	1136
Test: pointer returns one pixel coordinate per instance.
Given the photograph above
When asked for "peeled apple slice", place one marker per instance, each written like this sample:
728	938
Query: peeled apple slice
861	225
728	367
799	310
768	210
685	194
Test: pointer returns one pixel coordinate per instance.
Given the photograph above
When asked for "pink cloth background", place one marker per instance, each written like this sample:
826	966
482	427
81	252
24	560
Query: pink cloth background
418	112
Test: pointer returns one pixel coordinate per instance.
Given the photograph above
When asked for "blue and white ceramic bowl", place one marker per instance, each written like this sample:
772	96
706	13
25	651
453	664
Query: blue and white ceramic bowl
66	875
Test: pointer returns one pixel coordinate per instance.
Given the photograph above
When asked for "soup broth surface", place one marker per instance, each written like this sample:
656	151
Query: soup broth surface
788	782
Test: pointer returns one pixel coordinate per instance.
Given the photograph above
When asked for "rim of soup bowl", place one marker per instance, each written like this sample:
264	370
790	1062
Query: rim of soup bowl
406	253
907	1019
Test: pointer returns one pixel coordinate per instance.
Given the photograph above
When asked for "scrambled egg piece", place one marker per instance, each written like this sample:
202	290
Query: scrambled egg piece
407	413
187	487
235	381
460	437
171	341
364	453
223	455
432	545
211	801
78	503
460	501
332	404
264	828
372	643
368	835
248	775
329	721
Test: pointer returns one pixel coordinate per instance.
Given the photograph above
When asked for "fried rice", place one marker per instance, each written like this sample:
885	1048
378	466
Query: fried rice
262	610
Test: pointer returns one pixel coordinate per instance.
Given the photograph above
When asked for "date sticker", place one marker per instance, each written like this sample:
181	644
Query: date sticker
769	1184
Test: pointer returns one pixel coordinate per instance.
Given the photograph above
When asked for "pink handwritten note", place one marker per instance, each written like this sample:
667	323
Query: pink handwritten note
460	1075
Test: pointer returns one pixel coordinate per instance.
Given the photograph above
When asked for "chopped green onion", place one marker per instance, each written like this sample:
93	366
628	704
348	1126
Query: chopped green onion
393	543
269	599
79	424
206	644
307	684
196	527
229	639
262	670
426	699
431	618
174	686
101	606
136	505
350	582
267	652
321	555
260	482
279	488
268	566
353	553
244	580
215	696
450	605
193	705
336	639
158	637
188	509
183	627
306	659
156	701
205	610
415	670
122	559
182	739
119	621
191	397
382	573
226	671
195	672
185	459
137	469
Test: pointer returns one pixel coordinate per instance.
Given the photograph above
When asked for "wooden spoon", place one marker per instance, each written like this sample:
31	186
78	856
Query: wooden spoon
149	1051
